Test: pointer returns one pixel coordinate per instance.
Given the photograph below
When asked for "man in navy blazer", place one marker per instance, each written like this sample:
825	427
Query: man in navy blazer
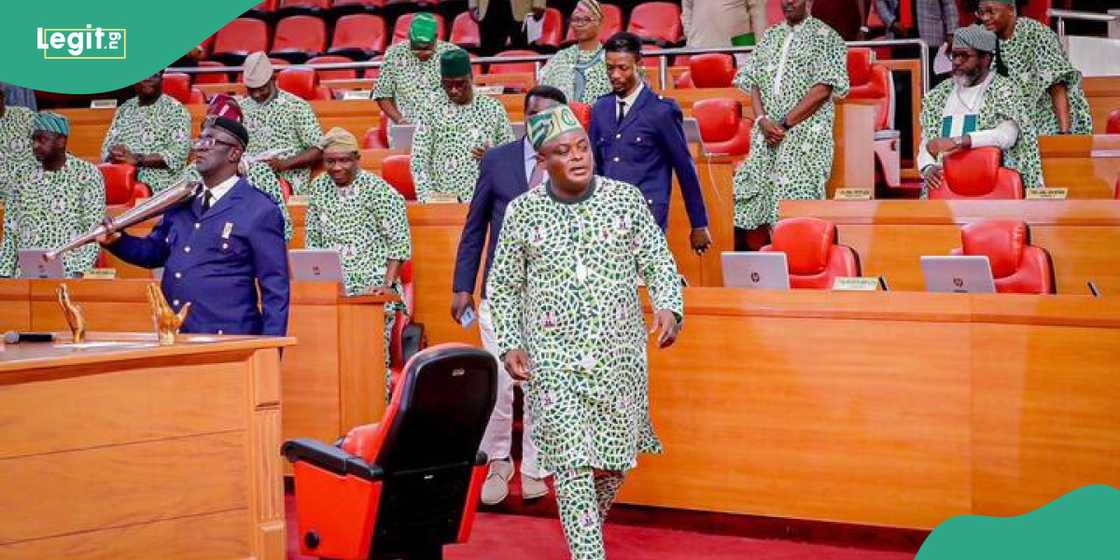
216	247
506	172
638	137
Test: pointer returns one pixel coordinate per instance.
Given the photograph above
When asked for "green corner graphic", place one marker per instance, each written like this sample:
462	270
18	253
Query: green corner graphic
146	37
1082	525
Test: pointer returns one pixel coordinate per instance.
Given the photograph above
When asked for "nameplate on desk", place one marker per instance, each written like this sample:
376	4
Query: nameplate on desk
357	95
854	194
855	284
103	104
490	90
100	274
443	198
298	200
1047	193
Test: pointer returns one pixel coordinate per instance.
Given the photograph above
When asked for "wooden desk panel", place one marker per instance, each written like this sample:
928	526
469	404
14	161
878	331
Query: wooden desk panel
15	305
890	236
1103	94
1088	166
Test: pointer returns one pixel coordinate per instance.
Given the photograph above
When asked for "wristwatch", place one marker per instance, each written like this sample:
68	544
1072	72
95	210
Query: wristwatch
784	124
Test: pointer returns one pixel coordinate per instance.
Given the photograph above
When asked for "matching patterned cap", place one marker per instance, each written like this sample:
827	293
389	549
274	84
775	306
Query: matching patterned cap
593	6
454	63
546	126
423	29
47	121
224	105
975	37
258	70
339	139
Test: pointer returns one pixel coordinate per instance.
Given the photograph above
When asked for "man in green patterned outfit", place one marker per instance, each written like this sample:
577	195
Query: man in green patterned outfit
278	120
977	108
580	71
447	148
363	218
16	124
57	200
568	319
408	85
151	131
1035	59
793	76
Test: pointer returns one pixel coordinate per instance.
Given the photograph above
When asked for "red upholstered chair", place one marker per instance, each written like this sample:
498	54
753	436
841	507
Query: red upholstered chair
352	5
358	36
287	7
514	67
377	138
711	70
552	35
299	38
1113	126
723	129
978	173
343	74
583	113
1017	266
121	186
239	38
465	32
873	81
197	97
658	22
400	28
211	77
684	81
397	171
410	484
612	23
302	82
1038	10
396	340
1116	193
815	260
178	86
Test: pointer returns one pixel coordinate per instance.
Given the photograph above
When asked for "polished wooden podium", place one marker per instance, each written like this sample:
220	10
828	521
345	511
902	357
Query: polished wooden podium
121	448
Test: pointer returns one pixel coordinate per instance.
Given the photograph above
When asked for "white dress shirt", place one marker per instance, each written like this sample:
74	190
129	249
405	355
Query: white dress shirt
219	190
628	100
530	159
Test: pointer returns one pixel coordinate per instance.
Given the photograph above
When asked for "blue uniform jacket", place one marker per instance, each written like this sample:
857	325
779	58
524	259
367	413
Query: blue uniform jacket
644	150
216	260
501	179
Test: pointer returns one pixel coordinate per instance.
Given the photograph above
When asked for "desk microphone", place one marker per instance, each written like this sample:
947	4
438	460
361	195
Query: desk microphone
16	337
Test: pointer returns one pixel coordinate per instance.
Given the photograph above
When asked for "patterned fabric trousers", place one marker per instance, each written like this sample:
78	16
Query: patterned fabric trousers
585	496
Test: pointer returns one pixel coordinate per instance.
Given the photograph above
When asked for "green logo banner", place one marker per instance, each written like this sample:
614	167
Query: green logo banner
88	46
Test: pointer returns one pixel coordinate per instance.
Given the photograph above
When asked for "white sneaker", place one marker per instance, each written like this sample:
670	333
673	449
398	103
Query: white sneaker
496	487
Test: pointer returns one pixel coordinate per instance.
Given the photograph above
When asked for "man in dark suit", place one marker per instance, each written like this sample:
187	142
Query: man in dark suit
638	138
506	172
218	246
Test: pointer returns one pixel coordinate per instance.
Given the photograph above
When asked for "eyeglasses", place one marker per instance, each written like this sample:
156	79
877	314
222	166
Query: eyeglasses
207	142
962	55
581	21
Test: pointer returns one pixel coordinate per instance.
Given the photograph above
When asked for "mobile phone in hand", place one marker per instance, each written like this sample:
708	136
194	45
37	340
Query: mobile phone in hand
467	318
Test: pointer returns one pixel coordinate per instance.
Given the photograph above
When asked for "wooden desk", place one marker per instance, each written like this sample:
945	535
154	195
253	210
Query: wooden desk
135	450
891	409
1103	94
1088	166
333	380
1082	236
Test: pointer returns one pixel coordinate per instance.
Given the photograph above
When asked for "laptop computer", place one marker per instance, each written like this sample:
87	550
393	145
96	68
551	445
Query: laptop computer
321	265
518	129
691	130
33	265
400	136
765	271
958	274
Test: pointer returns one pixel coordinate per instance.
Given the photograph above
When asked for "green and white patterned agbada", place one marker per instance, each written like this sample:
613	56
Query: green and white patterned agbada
1002	102
1036	61
264	179
413	84
163	128
16	158
286	123
799	167
49	209
564	288
441	150
561	68
367	223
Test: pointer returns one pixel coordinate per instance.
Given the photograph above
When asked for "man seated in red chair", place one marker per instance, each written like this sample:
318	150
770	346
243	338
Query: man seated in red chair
152	132
979	107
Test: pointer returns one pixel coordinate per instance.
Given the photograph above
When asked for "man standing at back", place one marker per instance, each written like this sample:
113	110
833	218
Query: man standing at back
408	87
502	20
638	138
506	172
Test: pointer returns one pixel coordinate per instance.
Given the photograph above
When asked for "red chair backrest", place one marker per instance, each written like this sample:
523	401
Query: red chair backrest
334	74
514	67
723	129
813	257
300	33
400	28
583	113
1113	126
120	181
465	32
612	23
360	3
1039	10
657	21
178	86
712	70
211	77
377	138
359	31
241	36
301	82
870	80
311	4
978	173
1017	266
552	33
397	171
